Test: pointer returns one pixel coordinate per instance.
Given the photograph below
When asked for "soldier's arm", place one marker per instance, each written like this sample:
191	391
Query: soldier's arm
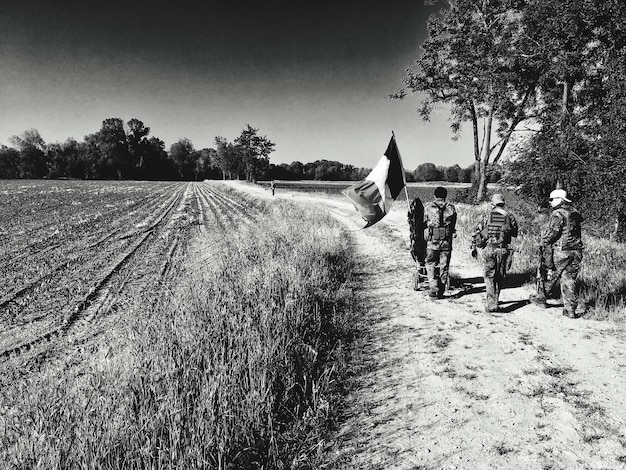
514	226
453	219
477	230
553	230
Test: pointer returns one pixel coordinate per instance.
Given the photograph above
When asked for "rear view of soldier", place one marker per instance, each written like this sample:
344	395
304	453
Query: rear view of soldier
493	234
563	235
440	225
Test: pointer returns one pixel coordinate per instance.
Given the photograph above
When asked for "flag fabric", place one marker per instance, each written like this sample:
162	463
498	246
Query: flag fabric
374	196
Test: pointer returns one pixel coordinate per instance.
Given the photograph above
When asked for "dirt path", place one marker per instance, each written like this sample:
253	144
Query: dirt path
442	384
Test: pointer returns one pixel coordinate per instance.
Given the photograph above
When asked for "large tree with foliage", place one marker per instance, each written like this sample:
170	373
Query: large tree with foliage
9	162
478	63
32	161
227	157
112	158
182	154
577	144
255	151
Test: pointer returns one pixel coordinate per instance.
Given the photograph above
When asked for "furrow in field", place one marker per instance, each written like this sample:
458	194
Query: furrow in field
233	207
63	218
75	250
28	269
107	285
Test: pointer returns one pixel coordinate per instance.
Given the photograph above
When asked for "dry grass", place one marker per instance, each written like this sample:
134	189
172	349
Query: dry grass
233	371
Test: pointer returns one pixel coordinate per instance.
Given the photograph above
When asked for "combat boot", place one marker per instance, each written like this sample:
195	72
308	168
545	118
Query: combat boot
538	301
570	314
581	310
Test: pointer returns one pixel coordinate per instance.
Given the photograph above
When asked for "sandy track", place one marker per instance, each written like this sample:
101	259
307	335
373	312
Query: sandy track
442	384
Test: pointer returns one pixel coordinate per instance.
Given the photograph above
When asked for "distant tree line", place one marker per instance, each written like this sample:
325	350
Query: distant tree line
450	174
321	170
127	151
327	170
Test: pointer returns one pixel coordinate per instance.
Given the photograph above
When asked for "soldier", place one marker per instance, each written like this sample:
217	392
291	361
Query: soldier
440	227
493	234
563	235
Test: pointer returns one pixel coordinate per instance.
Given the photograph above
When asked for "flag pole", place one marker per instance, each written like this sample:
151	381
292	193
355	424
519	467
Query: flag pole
406	192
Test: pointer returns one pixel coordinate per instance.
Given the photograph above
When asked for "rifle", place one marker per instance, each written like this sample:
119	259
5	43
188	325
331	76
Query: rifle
547	275
541	276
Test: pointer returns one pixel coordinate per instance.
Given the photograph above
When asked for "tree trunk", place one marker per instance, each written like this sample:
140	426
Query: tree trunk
482	184
477	171
485	152
619	233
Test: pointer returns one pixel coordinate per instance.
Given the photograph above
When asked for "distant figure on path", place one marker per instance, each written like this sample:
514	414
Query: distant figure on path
563	234
493	234
273	186
440	227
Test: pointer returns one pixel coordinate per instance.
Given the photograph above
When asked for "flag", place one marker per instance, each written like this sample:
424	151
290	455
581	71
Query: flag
374	196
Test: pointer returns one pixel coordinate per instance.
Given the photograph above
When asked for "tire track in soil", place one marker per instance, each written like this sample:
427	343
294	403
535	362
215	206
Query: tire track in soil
172	240
73	250
101	293
13	252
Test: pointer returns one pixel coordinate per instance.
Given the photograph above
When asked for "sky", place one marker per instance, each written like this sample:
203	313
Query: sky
312	76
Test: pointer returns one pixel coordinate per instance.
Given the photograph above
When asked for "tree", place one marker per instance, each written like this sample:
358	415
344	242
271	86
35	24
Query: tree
451	174
476	61
206	167
112	157
255	151
137	139
9	163
578	144
32	157
157	164
227	157
428	172
182	154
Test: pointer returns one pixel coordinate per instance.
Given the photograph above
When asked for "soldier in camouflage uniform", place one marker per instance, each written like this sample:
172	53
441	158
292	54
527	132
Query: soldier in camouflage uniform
493	234
563	234
440	226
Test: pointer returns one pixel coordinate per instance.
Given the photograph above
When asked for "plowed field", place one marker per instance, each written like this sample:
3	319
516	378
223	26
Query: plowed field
73	254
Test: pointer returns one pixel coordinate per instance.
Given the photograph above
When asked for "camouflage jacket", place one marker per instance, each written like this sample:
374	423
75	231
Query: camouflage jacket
482	226
563	231
440	223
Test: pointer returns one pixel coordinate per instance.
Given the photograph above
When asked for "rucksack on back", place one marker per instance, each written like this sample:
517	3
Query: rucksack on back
496	230
439	231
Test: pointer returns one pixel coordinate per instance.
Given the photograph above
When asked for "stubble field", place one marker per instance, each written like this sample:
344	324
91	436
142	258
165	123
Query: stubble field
165	325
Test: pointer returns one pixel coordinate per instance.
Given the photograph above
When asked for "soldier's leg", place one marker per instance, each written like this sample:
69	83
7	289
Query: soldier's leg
569	293
444	271
502	255
432	258
490	267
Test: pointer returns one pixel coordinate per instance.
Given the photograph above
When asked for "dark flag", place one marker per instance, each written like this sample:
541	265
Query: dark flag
374	196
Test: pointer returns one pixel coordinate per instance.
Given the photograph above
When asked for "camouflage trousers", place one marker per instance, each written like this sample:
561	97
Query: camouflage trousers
495	264
437	278
567	264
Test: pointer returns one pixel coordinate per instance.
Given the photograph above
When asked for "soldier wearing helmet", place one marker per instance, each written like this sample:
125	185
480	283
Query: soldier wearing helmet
493	234
563	234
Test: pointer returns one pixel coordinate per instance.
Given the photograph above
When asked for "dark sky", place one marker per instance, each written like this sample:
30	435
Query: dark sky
311	76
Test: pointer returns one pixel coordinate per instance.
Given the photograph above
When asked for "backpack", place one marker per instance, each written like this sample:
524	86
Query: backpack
497	229
440	231
416	227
